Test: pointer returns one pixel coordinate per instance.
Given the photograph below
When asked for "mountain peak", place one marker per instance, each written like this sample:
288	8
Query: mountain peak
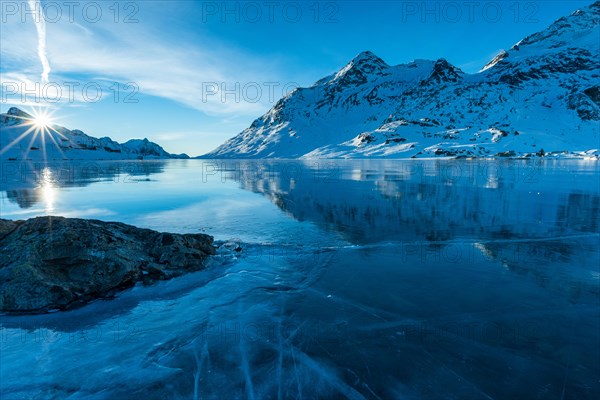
17	112
356	71
497	58
366	55
594	7
72	143
14	116
430	108
368	62
560	32
443	71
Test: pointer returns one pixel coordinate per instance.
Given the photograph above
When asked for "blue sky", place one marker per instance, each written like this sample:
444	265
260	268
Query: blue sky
169	61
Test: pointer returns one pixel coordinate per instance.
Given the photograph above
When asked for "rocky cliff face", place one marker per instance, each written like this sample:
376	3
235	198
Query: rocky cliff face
538	98
53	263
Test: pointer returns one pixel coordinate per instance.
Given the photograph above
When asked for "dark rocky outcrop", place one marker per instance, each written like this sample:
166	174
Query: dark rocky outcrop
443	72
50	263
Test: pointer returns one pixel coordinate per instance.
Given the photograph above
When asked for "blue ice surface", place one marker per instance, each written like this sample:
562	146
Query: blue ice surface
357	279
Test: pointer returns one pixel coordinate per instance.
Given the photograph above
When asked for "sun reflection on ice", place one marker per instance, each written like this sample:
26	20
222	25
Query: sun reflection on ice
47	190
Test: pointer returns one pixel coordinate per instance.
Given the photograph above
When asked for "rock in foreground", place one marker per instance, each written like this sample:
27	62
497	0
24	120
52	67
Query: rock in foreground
53	263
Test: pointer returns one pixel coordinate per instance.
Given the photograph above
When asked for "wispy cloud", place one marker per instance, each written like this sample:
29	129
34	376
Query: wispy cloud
192	71
173	60
40	26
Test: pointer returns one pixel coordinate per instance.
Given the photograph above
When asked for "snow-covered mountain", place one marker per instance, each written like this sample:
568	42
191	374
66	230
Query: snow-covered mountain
541	97
20	139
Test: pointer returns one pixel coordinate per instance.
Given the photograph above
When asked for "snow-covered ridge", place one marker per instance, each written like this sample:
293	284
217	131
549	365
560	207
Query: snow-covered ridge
539	98
16	143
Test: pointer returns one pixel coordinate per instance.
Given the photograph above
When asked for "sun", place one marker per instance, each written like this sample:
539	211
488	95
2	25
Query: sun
38	124
42	121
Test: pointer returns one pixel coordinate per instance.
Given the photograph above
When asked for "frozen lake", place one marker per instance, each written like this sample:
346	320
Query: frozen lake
357	279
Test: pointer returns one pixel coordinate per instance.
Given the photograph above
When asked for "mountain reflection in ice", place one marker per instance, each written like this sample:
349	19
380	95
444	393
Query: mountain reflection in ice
357	279
373	201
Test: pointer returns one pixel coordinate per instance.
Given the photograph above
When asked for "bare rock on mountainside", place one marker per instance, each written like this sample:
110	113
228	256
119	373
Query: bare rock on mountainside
53	263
